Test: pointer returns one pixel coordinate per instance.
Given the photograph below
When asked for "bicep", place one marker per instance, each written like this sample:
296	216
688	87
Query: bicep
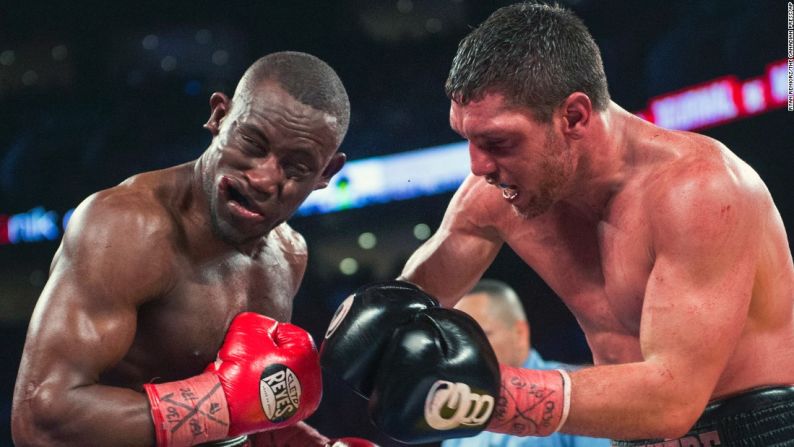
78	329
699	290
85	319
73	337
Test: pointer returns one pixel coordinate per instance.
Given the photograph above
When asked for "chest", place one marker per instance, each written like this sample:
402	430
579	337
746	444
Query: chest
236	286
599	269
180	334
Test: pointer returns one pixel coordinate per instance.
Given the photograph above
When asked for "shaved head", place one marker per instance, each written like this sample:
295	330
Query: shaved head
306	78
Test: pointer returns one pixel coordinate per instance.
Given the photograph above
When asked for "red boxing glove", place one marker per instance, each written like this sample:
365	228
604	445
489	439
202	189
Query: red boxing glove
303	435
352	442
267	376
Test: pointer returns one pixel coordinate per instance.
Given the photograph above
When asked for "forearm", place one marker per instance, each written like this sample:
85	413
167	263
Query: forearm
434	276
639	400
85	415
447	269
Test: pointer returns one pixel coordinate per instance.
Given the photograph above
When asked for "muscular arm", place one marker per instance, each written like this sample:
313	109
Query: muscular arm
453	259
695	307
84	322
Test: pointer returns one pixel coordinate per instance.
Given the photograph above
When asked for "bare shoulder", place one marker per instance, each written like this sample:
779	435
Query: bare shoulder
128	209
290	240
121	236
704	186
293	247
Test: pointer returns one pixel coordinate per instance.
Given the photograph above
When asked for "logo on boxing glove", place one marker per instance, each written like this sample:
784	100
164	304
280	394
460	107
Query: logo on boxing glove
280	392
339	315
451	404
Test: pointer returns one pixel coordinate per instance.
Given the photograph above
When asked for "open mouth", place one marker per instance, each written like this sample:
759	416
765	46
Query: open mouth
239	201
238	197
509	192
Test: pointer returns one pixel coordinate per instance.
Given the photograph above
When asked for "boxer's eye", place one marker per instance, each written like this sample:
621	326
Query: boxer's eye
251	145
296	170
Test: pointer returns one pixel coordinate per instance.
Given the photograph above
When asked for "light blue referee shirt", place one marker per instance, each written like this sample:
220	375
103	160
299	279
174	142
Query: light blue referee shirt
486	439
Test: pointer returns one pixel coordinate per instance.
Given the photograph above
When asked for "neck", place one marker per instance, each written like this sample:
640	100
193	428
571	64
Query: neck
195	212
603	163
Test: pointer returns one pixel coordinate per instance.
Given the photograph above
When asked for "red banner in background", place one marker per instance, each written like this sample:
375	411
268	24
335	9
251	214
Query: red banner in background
719	101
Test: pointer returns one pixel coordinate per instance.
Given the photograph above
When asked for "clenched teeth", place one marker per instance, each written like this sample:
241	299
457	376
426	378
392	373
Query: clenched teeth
509	193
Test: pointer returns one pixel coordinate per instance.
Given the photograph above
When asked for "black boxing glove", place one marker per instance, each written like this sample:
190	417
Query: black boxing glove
437	379
362	326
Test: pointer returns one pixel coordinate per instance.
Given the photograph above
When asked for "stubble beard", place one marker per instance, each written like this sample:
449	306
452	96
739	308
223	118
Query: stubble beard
537	205
556	170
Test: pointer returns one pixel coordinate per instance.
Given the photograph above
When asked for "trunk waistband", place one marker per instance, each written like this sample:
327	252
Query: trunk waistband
757	417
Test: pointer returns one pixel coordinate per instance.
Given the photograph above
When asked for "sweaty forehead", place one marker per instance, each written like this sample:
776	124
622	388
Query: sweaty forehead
270	97
490	116
270	103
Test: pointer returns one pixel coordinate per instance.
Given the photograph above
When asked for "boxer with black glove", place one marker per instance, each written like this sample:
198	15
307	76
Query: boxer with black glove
364	323
437	379
430	373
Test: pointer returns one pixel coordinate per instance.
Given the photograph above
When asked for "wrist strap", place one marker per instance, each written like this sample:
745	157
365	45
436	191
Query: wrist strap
531	402
188	412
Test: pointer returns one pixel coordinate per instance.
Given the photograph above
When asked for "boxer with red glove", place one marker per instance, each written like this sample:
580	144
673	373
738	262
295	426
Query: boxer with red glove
266	376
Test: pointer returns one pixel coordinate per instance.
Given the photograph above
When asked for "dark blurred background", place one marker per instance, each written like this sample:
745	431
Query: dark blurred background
92	92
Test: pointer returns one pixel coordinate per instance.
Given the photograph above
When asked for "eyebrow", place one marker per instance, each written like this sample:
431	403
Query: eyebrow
495	135
256	131
489	134
309	151
302	152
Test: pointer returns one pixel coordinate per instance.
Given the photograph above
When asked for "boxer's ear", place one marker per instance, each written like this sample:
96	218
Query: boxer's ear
334	166
576	111
219	108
